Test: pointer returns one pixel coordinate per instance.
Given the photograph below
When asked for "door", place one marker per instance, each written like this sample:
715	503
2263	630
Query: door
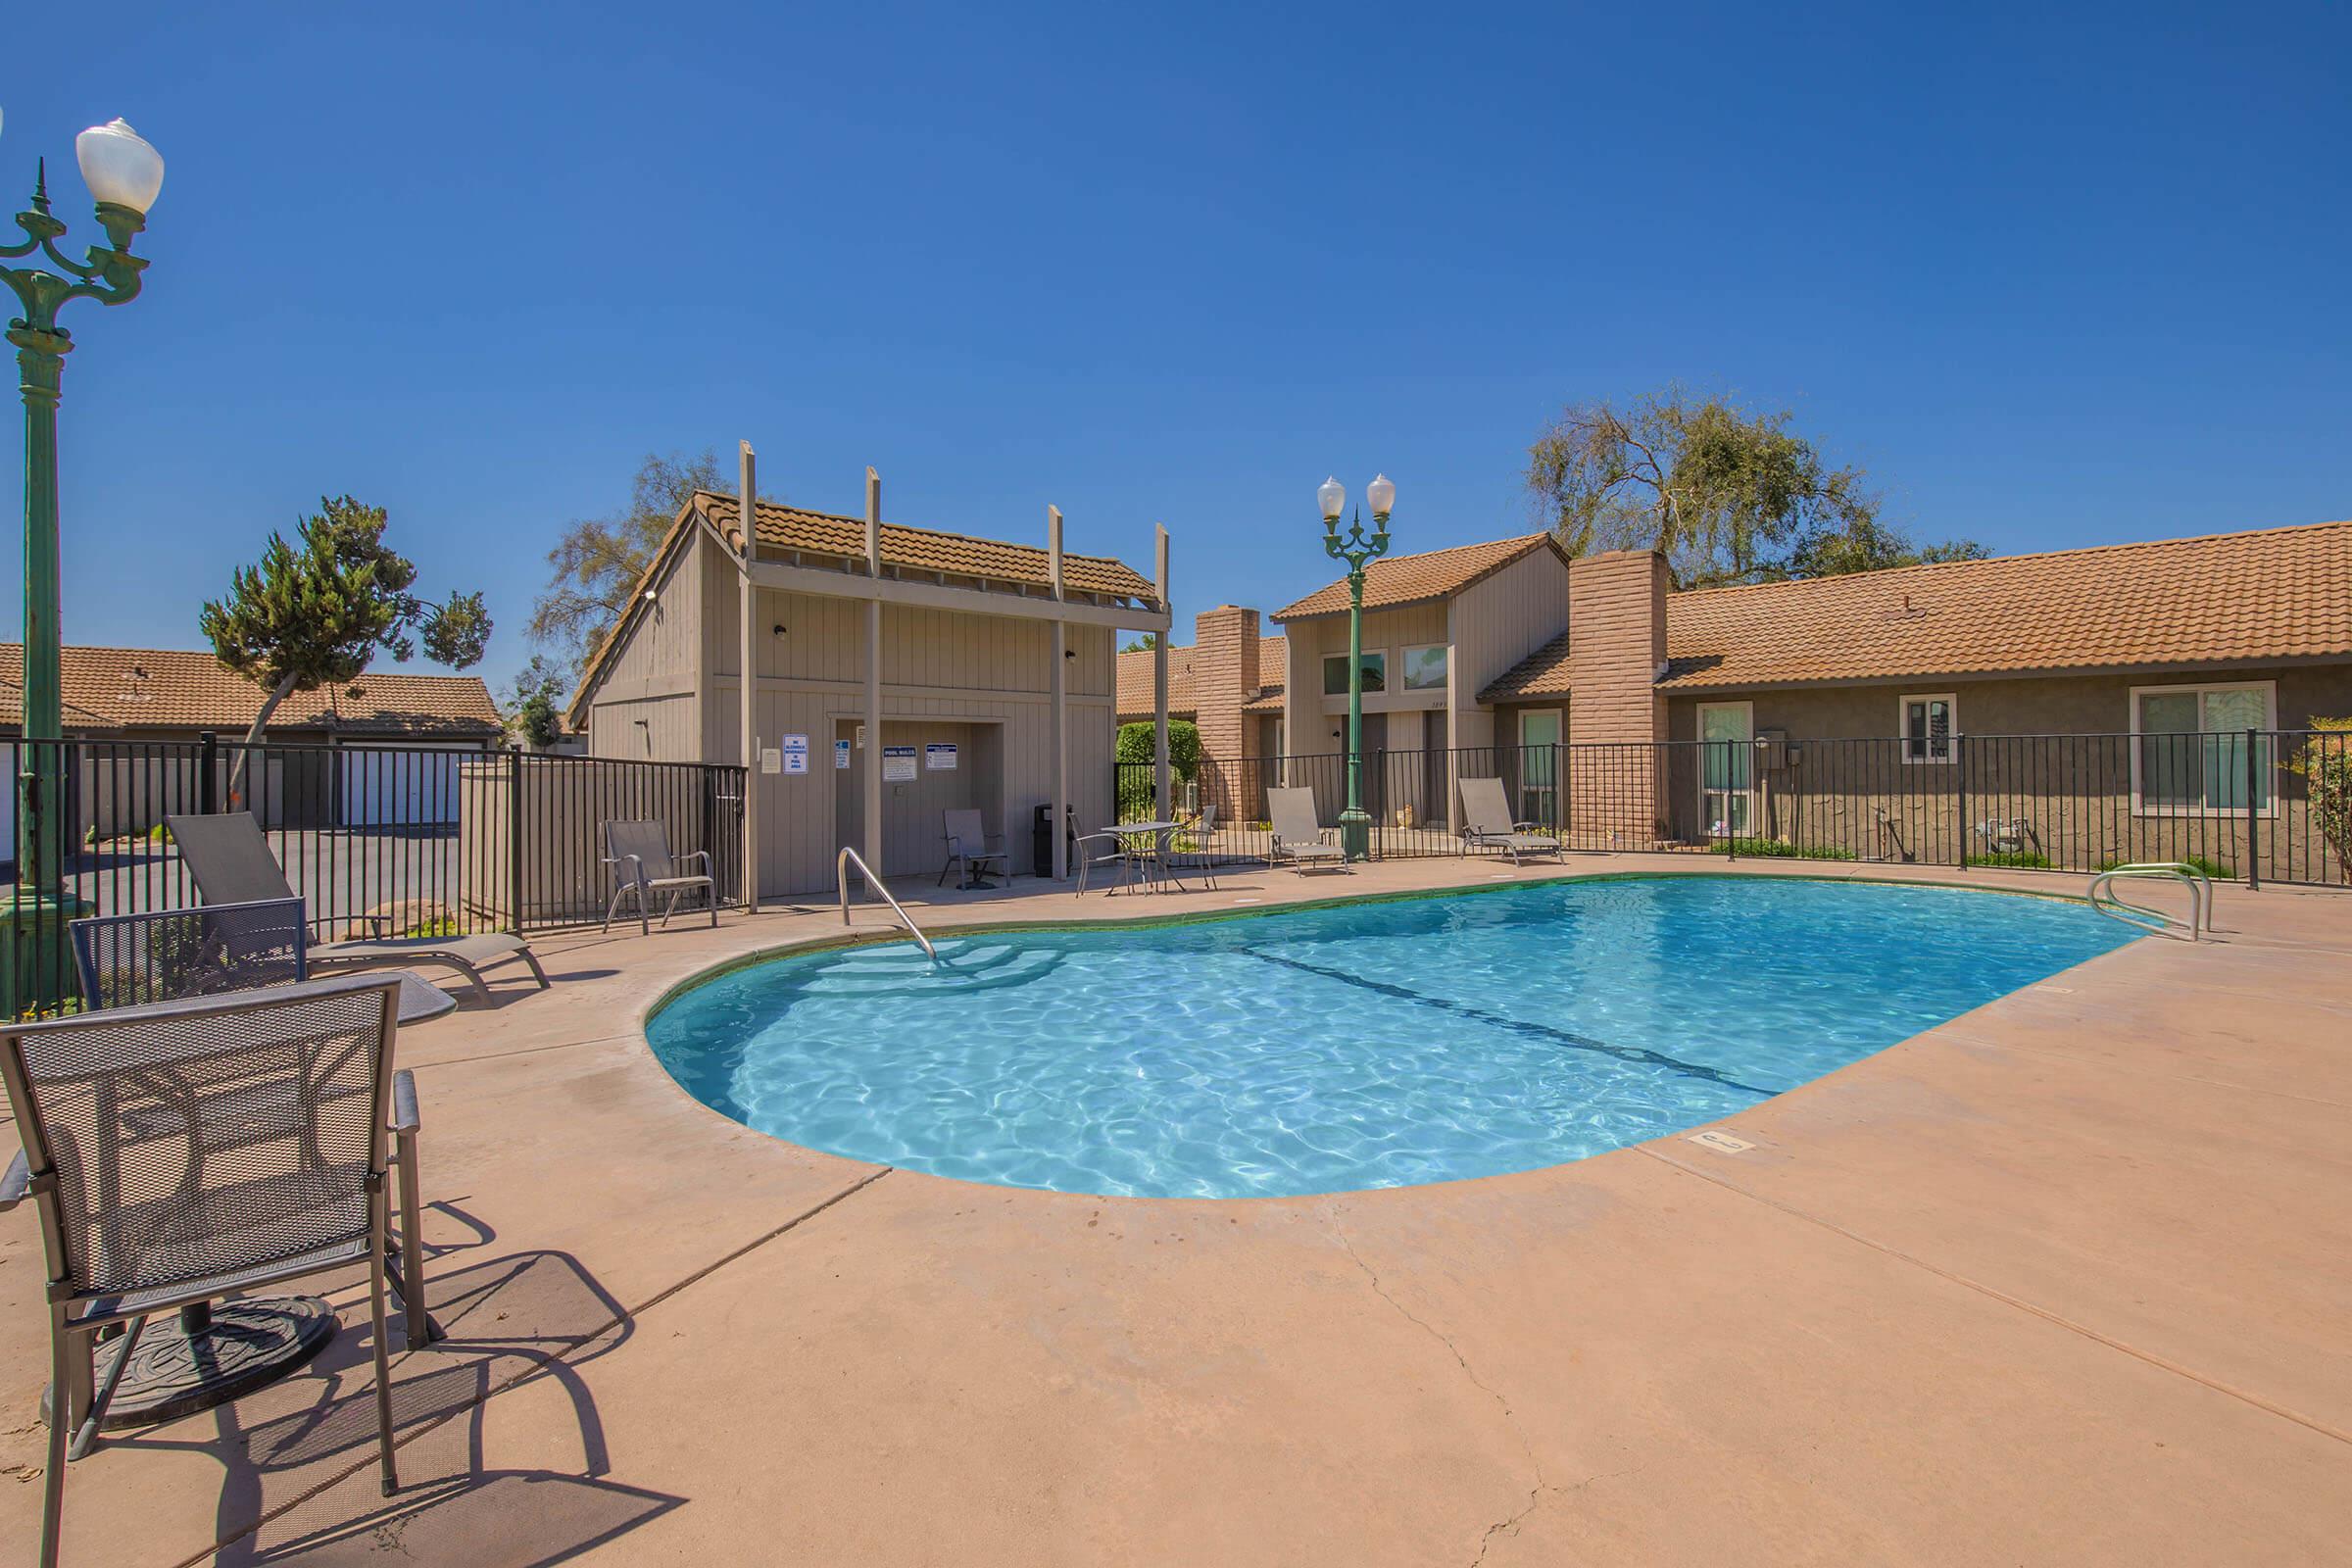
1726	765
1538	765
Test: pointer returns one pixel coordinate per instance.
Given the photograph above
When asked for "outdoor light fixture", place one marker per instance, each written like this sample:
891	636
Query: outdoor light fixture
1360	551
125	175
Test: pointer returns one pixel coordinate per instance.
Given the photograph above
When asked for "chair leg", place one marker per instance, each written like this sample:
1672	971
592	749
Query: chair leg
645	915
610	911
384	1358
420	1325
710	897
60	1418
532	958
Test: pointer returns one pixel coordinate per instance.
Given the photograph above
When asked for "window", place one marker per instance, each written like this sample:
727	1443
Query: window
1927	723
1726	731
2188	747
1425	667
1335	673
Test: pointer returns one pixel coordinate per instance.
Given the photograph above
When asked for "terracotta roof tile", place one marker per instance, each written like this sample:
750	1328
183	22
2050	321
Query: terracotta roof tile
169	687
1135	679
2273	594
1394	580
956	554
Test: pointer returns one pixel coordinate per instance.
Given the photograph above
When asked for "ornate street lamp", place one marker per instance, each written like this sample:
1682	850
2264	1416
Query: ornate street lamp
125	175
1359	551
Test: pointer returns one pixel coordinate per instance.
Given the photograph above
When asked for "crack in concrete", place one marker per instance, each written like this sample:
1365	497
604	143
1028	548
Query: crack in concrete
1536	1492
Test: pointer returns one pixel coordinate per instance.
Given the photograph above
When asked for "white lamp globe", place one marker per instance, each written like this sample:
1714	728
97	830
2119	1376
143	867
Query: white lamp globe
119	165
1381	495
1333	497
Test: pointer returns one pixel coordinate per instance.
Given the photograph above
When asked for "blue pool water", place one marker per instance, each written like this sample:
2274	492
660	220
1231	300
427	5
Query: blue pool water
1369	1044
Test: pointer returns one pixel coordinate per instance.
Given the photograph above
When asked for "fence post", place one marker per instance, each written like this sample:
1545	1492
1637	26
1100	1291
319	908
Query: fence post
208	773
515	840
1959	793
2253	814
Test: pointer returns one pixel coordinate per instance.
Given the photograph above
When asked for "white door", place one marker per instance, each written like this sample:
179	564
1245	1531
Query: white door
1538	765
1726	765
400	786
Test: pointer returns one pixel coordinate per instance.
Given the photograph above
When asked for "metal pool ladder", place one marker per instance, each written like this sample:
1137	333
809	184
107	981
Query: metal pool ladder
841	877
2104	899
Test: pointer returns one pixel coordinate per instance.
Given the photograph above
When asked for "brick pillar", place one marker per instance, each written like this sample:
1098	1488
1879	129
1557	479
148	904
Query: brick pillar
1225	675
1616	647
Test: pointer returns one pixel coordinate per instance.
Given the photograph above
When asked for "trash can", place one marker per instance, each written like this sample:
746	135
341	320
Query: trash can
1041	840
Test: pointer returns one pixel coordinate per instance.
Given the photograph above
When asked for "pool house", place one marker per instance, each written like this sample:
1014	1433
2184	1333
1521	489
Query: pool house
899	673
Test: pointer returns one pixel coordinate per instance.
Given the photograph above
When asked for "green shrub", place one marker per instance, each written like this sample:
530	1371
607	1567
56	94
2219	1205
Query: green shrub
1134	752
2325	765
1777	850
2010	860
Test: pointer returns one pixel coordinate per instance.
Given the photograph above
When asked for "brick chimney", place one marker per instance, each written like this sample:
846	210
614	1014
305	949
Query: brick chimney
1225	675
1616	648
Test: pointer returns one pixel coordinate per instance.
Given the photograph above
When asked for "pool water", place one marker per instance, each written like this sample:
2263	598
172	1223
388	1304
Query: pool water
1364	1045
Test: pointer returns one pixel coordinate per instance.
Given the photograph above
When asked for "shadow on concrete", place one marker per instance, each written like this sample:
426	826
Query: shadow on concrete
499	1519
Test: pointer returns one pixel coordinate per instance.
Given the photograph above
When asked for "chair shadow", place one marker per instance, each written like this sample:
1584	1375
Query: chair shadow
500	1321
494	1519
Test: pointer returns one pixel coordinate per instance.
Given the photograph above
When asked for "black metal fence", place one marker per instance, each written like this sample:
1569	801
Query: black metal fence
2257	805
393	839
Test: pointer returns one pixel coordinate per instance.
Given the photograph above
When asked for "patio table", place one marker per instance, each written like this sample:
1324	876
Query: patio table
1162	832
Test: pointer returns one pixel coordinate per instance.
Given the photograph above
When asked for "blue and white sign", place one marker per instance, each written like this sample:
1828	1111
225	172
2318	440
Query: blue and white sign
841	755
939	758
796	754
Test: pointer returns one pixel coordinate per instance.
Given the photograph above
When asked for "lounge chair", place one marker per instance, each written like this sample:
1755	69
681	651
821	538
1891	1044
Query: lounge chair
1487	825
968	848
195	1149
231	864
1297	834
637	852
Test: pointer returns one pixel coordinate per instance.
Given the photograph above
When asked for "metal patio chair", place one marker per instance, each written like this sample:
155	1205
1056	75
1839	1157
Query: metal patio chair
186	1150
642	866
164	955
969	841
1107	849
1487	825
230	860
1297	833
1203	854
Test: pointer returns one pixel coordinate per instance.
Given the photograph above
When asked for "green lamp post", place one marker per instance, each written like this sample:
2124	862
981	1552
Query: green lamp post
125	175
1359	551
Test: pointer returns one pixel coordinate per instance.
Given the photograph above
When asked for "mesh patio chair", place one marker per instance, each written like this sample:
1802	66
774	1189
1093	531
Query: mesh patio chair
186	1150
1299	840
969	841
230	860
1487	825
1202	856
163	955
1091	850
638	855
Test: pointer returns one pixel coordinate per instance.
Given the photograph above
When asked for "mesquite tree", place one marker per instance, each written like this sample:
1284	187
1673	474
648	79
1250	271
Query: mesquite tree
312	614
1729	495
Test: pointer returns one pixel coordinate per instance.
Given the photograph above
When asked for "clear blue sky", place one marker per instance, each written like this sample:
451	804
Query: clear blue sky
2054	276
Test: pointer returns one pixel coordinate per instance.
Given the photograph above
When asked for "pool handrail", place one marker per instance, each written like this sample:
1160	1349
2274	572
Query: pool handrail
841	877
2200	896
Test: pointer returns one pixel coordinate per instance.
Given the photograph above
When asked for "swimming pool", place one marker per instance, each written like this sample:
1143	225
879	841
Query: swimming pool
1371	1044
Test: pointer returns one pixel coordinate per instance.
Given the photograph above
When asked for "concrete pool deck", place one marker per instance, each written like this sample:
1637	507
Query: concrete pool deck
2063	1281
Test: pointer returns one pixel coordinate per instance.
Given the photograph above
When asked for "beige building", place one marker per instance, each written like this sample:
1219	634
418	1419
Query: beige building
898	674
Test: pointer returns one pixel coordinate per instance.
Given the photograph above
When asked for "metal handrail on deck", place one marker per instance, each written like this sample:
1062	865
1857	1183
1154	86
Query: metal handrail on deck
2200	896
841	876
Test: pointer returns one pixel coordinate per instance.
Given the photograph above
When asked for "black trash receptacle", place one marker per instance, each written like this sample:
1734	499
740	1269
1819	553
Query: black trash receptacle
1041	840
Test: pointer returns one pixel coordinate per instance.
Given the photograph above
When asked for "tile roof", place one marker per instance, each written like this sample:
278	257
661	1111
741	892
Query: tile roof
956	554
2273	594
1135	679
170	688
1394	580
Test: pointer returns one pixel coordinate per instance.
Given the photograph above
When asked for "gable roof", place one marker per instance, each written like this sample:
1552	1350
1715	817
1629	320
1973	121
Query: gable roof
175	688
1393	581
1135	678
2273	594
922	549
